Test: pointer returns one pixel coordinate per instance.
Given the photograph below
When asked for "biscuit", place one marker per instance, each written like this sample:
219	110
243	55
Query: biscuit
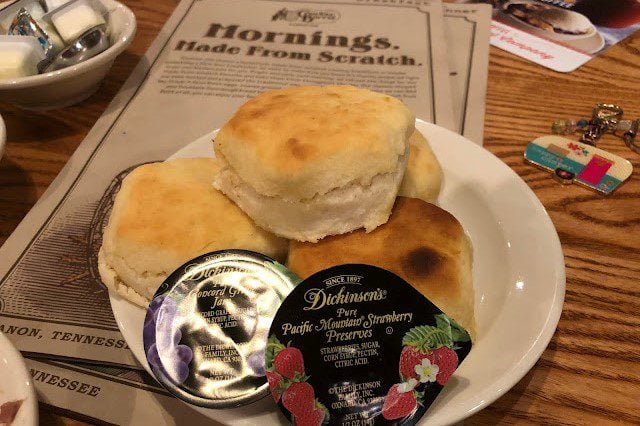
423	177
305	162
165	214
422	243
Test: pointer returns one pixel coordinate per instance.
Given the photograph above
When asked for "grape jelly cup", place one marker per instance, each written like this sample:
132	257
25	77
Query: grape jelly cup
206	328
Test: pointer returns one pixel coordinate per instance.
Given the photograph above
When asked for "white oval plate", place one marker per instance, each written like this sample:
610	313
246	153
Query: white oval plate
15	384
518	274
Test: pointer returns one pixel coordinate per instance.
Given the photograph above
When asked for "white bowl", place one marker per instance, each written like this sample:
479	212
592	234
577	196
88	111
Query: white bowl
73	84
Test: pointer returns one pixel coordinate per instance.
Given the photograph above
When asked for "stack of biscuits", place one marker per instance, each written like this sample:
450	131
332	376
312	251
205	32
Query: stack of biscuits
310	176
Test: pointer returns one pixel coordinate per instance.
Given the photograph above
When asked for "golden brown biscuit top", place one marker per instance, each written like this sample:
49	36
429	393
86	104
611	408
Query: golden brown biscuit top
307	140
169	212
420	243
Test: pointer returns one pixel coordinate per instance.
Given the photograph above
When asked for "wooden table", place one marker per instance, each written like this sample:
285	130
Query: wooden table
590	373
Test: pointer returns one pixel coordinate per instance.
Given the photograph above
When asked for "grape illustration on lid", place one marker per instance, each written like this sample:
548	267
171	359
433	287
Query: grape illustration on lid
206	328
357	345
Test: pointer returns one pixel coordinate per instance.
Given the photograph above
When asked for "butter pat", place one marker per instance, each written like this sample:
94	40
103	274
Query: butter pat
19	56
75	18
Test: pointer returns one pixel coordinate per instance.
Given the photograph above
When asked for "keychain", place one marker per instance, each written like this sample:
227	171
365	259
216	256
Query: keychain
572	161
629	135
582	162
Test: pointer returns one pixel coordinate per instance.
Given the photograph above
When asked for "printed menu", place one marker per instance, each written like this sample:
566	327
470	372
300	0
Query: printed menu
90	393
467	31
210	58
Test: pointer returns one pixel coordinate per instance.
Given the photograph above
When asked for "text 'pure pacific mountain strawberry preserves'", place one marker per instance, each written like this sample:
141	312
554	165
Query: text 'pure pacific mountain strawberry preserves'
206	329
357	345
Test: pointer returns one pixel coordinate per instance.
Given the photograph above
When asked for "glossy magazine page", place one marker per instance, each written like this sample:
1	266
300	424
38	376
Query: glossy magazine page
561	35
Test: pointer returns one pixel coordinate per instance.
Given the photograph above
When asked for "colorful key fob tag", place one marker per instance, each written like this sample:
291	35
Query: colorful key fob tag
572	161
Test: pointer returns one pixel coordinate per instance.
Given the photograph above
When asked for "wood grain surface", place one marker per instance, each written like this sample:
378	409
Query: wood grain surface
590	373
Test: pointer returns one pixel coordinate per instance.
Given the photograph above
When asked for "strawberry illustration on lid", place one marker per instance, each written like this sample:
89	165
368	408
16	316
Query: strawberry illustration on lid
289	363
289	385
435	344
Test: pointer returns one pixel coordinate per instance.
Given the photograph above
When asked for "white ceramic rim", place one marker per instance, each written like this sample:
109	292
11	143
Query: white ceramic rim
508	378
3	136
590	45
102	58
513	376
17	364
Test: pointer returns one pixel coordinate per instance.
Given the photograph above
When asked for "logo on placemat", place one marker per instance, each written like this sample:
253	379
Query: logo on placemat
306	16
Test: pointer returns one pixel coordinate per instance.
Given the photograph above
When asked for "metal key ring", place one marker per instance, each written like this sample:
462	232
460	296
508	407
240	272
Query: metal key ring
629	137
607	114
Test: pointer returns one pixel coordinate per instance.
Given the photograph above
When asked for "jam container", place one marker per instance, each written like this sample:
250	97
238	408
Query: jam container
357	345
205	331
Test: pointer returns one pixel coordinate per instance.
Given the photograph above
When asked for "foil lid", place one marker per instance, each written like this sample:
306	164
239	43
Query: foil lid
357	345
206	329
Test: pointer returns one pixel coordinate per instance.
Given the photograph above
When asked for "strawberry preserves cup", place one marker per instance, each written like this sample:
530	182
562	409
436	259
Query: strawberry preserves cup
357	345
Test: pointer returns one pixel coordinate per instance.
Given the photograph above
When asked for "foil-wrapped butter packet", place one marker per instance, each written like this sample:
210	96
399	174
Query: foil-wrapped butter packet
24	25
206	329
10	10
13	21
